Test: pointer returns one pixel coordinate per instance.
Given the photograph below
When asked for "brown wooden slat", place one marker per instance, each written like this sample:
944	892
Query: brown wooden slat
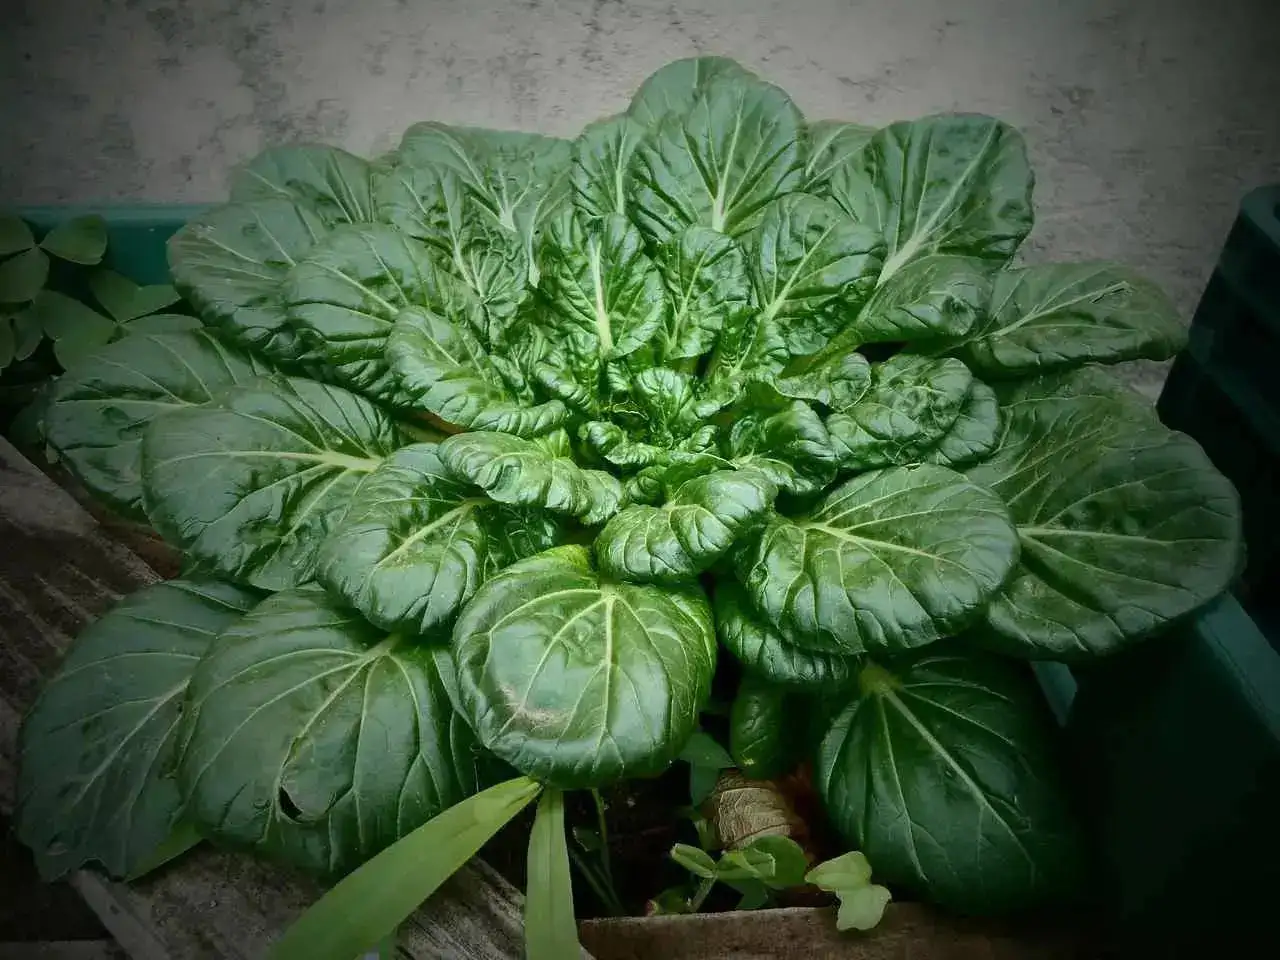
58	571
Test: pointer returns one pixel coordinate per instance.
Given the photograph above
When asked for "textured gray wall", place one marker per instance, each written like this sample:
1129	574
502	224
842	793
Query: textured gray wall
1147	119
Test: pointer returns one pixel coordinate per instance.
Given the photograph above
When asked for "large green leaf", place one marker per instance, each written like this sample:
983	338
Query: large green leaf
1125	525
336	184
913	402
577	680
812	265
601	166
250	484
231	262
687	534
440	364
344	296
99	410
890	560
837	381
675	87
832	143
762	650
707	281
521	472
415	543
933	296
430	204
605	295
516	181
789	444
1059	315
944	774
762	729
316	738
952	183
367	906
720	163
97	748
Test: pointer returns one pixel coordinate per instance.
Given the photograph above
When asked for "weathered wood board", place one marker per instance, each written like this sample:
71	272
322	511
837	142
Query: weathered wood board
58	571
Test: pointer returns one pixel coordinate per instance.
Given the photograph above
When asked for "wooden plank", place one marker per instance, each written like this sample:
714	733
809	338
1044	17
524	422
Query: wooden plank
58	571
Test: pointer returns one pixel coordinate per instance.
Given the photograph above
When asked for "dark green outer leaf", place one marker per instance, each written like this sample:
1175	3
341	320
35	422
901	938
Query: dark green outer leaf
315	738
230	263
933	296
944	775
414	543
831	144
760	730
601	165
890	560
250	484
706	277
685	536
100	410
580	681
675	87
96	749
603	291
718	165
336	184
520	472
344	296
762	650
810	264
1060	315
912	404
440	365
952	183
1125	525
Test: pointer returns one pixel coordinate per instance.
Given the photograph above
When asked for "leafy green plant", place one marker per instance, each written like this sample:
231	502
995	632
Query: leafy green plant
711	376
848	876
764	865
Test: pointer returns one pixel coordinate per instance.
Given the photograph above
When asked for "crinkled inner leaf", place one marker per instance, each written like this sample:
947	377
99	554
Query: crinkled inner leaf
578	680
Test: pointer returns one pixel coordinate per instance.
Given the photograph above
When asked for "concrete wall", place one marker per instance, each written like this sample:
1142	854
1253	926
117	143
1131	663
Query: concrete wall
1147	119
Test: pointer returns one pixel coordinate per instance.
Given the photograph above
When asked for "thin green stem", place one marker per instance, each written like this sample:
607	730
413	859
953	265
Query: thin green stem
603	891
699	895
604	837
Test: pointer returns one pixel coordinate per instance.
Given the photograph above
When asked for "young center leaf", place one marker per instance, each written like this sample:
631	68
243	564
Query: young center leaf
230	263
688	533
944	774
99	411
313	737
578	680
98	748
415	543
524	473
953	184
250	483
706	277
890	560
1124	524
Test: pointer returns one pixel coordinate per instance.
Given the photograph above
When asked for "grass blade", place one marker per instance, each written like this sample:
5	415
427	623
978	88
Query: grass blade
369	903
550	930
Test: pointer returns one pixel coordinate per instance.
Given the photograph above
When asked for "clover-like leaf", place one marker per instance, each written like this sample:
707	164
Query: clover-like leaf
81	240
98	746
415	543
889	560
22	276
578	680
687	534
316	738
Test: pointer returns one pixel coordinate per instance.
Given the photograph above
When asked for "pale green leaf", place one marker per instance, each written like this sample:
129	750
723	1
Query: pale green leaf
80	240
550	930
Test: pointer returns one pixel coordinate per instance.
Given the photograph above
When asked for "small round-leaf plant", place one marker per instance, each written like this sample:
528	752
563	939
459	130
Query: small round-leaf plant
488	449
